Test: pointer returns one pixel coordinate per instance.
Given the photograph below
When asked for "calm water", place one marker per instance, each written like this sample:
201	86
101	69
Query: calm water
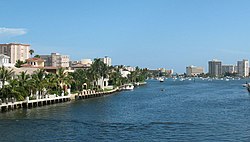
169	111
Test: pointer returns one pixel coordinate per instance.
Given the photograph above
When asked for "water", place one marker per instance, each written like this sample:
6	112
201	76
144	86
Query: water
169	111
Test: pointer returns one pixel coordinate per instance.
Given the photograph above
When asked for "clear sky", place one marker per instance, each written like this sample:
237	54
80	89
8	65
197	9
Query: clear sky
147	33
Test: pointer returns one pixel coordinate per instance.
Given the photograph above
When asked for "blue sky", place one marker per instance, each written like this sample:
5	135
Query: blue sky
147	33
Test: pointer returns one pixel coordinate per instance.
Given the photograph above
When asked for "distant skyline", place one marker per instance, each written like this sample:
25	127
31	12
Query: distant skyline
145	33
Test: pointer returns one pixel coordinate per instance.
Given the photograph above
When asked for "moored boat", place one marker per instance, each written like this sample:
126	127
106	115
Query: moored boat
247	85
161	79
127	87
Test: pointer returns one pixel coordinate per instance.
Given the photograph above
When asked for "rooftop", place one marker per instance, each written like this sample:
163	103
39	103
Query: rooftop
35	59
15	44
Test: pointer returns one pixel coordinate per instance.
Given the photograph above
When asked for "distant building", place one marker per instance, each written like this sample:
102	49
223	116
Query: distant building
15	51
83	64
71	63
79	66
56	60
47	60
236	68
5	61
215	67
34	63
170	71
124	73
162	69
194	71
63	61
128	68
243	68
86	62
228	69
106	60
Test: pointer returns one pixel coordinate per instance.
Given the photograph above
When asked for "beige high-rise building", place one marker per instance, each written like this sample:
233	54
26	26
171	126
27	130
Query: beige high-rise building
193	70
15	51
56	60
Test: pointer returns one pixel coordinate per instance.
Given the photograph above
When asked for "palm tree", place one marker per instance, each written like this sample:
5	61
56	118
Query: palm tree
115	77
31	52
39	81
37	56
98	70
19	63
80	77
25	83
5	76
63	80
14	90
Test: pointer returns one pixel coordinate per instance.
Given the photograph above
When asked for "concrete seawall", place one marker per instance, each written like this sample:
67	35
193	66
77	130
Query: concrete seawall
53	99
34	103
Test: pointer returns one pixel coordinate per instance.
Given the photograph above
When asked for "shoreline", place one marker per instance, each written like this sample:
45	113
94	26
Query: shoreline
53	99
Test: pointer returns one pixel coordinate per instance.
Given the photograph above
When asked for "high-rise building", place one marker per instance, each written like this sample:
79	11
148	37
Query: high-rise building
15	51
106	60
193	70
243	68
228	69
214	67
56	60
47	60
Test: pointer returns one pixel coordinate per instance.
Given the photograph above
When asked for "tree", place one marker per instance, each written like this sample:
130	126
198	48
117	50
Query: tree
5	76
97	71
31	52
19	63
25	84
116	78
80	77
39	81
15	90
63	80
37	56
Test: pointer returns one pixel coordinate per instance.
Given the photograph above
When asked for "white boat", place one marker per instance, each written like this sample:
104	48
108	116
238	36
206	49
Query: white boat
161	79
128	87
247	85
182	79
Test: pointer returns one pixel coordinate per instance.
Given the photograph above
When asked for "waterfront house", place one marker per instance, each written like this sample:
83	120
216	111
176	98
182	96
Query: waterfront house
5	61
102	83
34	62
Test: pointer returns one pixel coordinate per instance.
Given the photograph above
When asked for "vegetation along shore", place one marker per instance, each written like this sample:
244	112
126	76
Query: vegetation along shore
40	88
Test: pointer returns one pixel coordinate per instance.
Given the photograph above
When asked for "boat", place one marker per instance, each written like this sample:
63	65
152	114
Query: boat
127	87
182	79
161	79
247	85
